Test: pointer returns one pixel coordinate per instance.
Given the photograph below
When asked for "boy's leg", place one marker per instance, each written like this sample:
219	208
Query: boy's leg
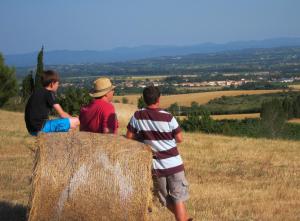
57	125
180	211
178	191
172	191
160	189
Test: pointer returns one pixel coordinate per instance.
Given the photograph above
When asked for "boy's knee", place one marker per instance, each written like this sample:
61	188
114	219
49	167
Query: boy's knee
74	122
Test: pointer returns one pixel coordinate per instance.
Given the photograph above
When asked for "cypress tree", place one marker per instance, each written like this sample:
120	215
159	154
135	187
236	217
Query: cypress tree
39	69
27	86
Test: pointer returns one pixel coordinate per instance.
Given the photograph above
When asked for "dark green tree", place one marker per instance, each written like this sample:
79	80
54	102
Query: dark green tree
288	108
141	103
124	100
27	86
39	69
195	108
273	117
296	107
174	109
8	85
200	120
73	99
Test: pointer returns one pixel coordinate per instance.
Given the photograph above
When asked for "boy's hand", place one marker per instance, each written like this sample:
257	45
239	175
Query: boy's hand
74	122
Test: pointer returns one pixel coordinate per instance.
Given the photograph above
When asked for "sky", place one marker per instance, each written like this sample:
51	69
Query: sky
26	25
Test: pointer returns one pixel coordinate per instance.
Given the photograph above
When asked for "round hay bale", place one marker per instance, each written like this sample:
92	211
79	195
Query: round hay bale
88	176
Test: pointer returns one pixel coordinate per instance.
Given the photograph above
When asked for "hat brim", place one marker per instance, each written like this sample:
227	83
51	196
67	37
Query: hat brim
101	93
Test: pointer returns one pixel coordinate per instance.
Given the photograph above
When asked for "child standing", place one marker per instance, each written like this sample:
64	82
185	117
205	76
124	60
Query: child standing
41	103
161	131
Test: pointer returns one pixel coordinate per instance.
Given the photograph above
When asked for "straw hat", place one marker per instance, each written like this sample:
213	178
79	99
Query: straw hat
101	87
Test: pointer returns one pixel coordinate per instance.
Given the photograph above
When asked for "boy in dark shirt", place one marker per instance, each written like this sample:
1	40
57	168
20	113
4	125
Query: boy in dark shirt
40	104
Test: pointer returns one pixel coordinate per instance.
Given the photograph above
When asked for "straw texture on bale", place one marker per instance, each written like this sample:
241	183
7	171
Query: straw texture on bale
88	176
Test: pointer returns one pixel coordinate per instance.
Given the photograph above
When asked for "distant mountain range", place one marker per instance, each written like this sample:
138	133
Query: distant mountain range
122	54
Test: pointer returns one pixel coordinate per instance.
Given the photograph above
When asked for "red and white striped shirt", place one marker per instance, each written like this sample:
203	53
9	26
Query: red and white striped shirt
158	128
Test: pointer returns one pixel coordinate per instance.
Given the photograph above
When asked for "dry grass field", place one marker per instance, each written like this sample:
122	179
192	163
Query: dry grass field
295	86
235	116
201	98
230	178
295	120
241	116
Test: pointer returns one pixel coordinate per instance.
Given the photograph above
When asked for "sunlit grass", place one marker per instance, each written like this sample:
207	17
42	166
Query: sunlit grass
230	178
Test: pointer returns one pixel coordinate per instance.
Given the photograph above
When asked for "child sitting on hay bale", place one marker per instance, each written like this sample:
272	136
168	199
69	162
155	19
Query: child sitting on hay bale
161	131
41	103
99	115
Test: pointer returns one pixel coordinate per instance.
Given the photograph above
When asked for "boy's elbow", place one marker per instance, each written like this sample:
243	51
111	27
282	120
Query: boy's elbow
64	115
179	140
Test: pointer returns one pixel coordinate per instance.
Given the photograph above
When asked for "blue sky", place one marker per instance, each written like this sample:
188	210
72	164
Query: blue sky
104	24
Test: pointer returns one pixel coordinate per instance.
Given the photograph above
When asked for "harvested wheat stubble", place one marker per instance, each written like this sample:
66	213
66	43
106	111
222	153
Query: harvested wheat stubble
88	176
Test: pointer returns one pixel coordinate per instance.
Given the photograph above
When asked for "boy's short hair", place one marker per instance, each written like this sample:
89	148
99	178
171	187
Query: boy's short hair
151	94
49	77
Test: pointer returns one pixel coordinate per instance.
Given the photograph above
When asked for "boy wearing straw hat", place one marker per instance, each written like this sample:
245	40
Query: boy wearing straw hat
160	130
41	102
99	115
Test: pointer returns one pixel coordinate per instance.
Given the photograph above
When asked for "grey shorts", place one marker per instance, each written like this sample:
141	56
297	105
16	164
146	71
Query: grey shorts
171	189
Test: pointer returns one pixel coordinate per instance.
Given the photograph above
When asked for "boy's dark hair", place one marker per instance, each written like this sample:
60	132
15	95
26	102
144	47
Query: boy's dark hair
151	94
49	77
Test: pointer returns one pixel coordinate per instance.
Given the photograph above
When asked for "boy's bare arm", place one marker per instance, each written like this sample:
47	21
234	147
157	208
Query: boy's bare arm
179	137
60	111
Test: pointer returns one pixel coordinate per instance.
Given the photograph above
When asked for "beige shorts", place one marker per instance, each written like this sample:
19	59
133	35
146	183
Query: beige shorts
171	189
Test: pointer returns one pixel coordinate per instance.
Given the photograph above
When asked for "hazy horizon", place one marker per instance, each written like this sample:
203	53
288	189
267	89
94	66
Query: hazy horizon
103	25
145	45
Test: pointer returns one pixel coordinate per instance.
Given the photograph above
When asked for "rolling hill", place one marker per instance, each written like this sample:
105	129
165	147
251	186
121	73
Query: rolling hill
122	54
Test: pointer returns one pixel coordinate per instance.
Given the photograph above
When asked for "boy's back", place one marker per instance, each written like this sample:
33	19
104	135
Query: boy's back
161	131
38	108
158	128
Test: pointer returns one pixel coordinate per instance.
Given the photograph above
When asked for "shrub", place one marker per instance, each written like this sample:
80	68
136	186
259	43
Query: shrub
124	100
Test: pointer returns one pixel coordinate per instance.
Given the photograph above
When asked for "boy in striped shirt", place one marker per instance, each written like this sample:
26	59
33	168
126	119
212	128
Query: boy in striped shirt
160	130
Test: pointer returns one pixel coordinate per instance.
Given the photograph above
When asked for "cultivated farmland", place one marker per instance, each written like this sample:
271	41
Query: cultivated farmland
201	98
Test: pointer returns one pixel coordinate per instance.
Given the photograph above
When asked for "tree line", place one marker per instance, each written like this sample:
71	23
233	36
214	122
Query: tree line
271	124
